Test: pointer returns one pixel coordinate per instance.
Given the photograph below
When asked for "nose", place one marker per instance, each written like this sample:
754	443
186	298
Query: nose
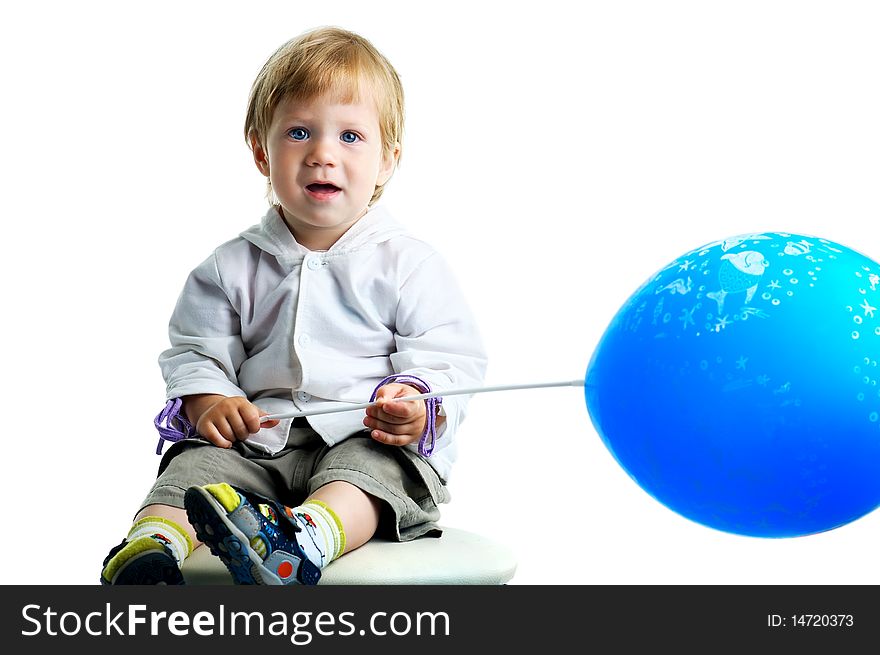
322	152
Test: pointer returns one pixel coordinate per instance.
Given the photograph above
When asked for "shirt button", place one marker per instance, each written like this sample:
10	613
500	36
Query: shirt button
303	396
304	340
314	263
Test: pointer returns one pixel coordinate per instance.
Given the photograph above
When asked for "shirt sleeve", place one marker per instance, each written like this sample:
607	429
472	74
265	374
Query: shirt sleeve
437	339
205	332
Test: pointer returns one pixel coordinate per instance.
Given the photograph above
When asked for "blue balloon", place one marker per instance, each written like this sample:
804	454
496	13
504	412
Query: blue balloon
740	385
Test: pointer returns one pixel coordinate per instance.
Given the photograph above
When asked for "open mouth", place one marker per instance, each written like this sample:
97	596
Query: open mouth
322	188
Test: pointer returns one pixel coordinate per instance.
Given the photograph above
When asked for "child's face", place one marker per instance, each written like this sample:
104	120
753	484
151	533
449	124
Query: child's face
324	159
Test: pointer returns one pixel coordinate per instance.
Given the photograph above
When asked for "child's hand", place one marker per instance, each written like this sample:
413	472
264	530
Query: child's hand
396	423
230	419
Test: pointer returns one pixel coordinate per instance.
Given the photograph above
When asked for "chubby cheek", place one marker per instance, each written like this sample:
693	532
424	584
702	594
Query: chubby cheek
283	178
371	179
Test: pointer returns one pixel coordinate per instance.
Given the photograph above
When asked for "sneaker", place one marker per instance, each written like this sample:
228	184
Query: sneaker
143	561
254	536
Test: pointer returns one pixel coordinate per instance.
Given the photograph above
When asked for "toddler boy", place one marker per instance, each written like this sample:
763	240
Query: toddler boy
327	300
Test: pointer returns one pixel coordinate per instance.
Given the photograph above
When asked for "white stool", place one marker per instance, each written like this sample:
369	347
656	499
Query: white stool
457	557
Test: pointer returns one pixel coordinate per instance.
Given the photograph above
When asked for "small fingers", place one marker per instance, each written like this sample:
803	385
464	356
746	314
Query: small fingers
270	423
396	412
390	433
212	434
379	414
250	417
233	427
391	439
394	426
402	409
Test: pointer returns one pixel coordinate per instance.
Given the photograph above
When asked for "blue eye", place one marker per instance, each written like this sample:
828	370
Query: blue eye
349	137
298	134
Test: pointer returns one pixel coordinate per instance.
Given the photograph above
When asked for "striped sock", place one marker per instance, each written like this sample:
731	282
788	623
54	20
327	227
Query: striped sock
165	531
322	537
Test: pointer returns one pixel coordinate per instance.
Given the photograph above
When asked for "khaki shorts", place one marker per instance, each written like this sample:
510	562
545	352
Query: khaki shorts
408	485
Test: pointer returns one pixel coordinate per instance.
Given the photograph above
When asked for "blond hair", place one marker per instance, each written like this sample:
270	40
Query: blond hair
327	60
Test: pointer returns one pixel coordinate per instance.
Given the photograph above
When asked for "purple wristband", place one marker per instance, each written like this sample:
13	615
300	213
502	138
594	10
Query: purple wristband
172	424
429	436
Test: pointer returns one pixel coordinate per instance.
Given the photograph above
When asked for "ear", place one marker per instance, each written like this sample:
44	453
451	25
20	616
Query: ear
261	157
389	161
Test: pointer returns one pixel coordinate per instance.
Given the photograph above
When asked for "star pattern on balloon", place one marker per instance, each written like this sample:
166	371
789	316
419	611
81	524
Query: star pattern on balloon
751	401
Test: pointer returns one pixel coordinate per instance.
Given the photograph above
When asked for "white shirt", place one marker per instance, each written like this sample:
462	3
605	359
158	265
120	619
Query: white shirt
292	329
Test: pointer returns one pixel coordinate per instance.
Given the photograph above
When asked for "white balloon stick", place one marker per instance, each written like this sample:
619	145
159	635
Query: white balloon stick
422	396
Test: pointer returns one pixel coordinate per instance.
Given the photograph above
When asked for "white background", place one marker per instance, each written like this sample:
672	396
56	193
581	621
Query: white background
557	153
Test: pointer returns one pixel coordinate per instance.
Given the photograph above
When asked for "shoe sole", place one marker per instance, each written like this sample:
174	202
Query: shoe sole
226	541
148	568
